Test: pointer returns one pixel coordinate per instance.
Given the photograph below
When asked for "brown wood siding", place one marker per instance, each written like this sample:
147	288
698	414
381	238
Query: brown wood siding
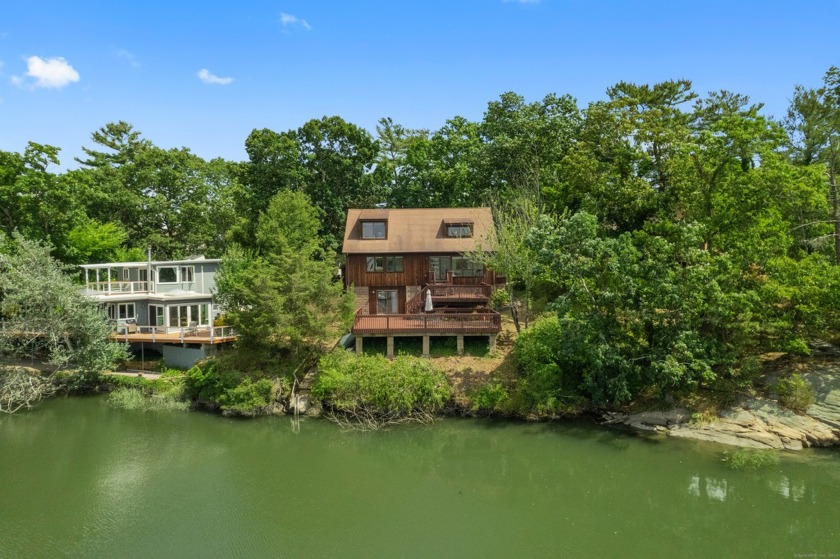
415	272
415	267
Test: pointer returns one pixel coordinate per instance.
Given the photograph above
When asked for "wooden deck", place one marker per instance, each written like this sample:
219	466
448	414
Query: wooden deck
159	334
484	323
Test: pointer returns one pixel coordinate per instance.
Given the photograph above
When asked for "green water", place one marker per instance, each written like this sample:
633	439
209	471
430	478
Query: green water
80	478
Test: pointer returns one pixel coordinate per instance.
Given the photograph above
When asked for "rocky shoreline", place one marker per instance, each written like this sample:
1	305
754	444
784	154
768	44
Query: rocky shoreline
755	422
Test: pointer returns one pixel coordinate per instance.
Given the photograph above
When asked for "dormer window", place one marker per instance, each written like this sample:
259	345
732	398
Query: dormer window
459	230
374	229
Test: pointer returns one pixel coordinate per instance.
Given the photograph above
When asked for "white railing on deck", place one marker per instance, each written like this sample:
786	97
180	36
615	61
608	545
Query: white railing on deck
119	286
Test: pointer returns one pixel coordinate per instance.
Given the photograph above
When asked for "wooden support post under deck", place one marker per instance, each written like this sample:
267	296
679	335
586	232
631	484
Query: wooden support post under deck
426	347
390	351
492	344
460	342
359	347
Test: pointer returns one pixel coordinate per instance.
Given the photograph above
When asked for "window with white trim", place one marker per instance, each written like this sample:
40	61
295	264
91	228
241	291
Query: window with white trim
167	274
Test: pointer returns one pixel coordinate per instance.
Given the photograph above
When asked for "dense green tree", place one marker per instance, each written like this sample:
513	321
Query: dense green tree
329	159
525	142
36	202
443	170
169	200
283	298
640	310
394	141
814	126
46	314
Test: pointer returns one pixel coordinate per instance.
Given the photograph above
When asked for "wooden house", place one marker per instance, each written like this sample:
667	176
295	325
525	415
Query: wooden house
396	259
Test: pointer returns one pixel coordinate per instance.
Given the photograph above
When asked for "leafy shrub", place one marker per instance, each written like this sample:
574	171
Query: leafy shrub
248	397
491	397
499	299
545	386
402	387
794	393
749	458
208	383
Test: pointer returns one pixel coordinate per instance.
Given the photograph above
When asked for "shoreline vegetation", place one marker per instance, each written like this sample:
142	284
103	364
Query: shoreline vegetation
671	261
371	393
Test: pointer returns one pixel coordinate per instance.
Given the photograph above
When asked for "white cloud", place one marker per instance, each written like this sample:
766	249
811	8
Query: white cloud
52	73
129	57
205	76
289	19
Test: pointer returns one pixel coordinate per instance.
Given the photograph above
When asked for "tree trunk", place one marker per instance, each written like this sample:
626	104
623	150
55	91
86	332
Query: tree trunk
514	313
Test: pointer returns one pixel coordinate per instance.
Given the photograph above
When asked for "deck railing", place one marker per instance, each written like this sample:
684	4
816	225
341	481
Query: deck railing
465	292
183	334
443	323
118	287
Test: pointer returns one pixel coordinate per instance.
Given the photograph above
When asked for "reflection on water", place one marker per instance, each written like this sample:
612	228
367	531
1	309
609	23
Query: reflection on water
80	478
713	488
787	488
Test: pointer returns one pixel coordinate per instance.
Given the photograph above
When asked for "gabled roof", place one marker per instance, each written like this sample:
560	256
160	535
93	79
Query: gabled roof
418	230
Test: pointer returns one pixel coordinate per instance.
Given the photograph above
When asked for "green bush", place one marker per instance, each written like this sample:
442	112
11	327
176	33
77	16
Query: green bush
499	299
491	397
401	387
544	385
248	397
749	458
794	393
208	383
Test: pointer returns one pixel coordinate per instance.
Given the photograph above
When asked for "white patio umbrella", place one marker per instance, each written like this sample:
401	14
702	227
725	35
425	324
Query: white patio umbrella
429	307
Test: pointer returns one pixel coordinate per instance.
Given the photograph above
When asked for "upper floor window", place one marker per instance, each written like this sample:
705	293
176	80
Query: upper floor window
187	273
464	267
459	230
167	274
374	229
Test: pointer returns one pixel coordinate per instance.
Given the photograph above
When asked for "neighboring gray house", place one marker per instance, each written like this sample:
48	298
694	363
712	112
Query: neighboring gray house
163	305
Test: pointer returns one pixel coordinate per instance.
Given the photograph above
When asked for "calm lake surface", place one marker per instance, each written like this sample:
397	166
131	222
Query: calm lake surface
81	478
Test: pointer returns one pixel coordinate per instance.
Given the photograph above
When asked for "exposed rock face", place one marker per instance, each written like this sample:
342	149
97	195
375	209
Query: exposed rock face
758	422
299	403
825	385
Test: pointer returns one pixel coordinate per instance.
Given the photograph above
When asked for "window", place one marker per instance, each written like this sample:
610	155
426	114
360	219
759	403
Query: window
393	263
121	312
384	263
126	274
463	267
375	263
459	230
144	275
187	273
188	315
167	274
374	229
156	315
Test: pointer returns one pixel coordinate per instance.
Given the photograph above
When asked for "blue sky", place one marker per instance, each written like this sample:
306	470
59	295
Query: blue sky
203	75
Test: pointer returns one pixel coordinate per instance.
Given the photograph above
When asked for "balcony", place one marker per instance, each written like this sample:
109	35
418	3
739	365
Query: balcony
129	332
444	323
117	287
